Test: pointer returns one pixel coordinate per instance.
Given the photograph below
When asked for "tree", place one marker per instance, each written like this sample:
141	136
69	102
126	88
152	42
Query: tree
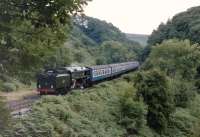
31	31
133	113
175	58
101	31
184	92
152	87
183	26
115	52
46	13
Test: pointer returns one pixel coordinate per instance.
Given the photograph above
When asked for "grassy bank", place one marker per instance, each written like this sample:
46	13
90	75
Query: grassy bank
95	112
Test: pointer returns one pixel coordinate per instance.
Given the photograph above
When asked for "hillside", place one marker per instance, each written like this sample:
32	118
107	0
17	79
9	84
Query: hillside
140	38
101	31
88	38
185	25
98	112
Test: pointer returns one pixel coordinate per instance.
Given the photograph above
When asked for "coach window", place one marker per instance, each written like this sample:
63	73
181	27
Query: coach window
95	73
99	72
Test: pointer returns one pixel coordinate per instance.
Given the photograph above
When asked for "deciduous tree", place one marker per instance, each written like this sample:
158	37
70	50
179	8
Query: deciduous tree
152	87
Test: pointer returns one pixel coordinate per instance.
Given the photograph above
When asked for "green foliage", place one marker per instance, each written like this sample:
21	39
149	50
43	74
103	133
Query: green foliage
181	124
92	114
129	77
184	92
175	58
152	86
133	114
31	33
41	14
54	46
8	87
5	118
179	60
101	31
185	25
9	84
106	43
114	52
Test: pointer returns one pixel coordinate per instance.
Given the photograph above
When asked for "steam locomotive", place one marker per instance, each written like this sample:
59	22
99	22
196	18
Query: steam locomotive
62	80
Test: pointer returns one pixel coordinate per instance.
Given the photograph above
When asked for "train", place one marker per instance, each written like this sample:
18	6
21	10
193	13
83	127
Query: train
61	80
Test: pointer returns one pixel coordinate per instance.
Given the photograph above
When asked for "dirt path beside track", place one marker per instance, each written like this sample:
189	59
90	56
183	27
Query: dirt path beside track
20	102
18	95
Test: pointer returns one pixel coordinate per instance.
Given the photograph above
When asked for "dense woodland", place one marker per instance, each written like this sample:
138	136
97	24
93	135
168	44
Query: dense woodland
159	100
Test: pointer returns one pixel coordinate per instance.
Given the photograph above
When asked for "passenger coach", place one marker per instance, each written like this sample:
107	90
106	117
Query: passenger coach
102	72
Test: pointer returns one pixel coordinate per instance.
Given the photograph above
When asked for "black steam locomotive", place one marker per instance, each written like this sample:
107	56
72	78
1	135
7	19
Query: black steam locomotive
61	80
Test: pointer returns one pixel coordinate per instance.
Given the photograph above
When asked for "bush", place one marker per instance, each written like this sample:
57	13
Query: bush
5	118
134	116
95	112
181	124
129	77
8	87
4	78
152	87
184	92
175	58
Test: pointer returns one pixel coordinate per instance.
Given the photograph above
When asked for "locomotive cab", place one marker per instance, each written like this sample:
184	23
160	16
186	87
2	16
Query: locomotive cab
79	76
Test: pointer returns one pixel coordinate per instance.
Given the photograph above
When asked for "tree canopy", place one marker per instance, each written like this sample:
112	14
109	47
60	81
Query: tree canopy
115	52
175	58
31	31
185	25
152	86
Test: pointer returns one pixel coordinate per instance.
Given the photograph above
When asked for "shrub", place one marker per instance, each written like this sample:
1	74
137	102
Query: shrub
95	113
175	58
152	87
4	116
133	113
181	124
184	92
4	77
133	116
129	77
8	87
